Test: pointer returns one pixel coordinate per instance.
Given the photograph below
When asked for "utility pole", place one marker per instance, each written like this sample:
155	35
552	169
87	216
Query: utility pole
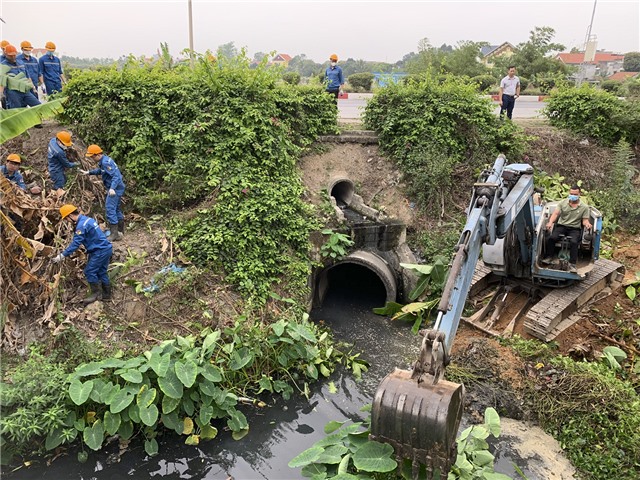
587	44
191	35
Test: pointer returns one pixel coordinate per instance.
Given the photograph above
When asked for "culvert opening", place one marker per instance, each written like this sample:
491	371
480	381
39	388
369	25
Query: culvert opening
354	284
342	191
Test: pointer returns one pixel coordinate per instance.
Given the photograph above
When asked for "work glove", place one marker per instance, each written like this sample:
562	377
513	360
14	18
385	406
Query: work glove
58	258
44	89
84	172
112	192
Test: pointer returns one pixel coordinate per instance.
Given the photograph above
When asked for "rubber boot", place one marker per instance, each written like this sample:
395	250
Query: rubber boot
121	226
114	234
96	294
106	291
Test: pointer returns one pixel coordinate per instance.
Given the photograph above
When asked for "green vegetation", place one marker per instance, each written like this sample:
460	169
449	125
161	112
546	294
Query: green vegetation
347	453
336	246
361	82
438	133
233	145
184	384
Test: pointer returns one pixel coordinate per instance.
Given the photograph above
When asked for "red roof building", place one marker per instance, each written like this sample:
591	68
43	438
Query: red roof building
622	76
281	59
604	64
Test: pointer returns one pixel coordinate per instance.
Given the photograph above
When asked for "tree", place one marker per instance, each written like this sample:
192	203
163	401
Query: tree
258	56
465	59
428	58
534	57
631	62
228	50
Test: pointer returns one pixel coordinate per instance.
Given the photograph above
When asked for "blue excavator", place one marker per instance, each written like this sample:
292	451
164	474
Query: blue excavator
417	411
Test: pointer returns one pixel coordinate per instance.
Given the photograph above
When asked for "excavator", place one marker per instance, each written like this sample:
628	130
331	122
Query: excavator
417	411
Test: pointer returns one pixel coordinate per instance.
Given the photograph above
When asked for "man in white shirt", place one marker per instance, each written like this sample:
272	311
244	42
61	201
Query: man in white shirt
509	91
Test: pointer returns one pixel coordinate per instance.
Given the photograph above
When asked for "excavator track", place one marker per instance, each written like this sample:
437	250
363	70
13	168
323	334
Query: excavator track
551	315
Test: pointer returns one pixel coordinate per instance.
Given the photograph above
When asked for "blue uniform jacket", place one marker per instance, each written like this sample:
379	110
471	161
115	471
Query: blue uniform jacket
335	77
16	178
111	176
57	158
16	68
87	233
50	68
32	68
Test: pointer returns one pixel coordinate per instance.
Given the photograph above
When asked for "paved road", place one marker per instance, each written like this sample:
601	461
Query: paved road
351	108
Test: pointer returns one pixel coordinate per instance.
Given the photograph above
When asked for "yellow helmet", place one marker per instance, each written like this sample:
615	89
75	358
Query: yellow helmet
66	210
333	57
50	46
14	157
65	138
4	43
26	45
93	150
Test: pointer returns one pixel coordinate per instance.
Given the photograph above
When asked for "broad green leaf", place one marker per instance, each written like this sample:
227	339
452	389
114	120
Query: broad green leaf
16	121
278	327
171	385
54	439
79	392
492	419
343	467
333	455
92	368
133	376
207	432
111	422
305	458
237	421
169	404
423	269
172	422
240	358
390	309
186	371
210	341
187	426
306	333
240	434
631	292
120	401
192	440
83	457
615	352
332	426
94	435
211	373
496	476
482	458
151	447
314	471
421	286
126	430
333	439
159	363
146	396
205	415
375	457
149	415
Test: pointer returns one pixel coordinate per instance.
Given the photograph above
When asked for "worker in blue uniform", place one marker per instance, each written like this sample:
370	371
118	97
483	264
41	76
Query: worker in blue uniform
11	171
87	232
113	184
18	95
51	73
334	77
31	65
58	160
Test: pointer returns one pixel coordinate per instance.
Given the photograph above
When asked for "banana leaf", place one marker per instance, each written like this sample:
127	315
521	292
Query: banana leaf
16	121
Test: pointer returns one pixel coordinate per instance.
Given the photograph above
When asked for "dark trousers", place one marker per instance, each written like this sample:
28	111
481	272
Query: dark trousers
97	266
574	239
333	92
508	102
16	99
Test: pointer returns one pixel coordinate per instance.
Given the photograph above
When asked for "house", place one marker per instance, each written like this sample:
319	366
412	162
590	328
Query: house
491	52
281	59
38	52
603	64
622	76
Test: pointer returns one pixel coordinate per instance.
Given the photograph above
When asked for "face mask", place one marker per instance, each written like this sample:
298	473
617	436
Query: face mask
26	53
50	54
574	198
333	64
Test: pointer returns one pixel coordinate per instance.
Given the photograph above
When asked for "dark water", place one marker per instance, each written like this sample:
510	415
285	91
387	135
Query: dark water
283	429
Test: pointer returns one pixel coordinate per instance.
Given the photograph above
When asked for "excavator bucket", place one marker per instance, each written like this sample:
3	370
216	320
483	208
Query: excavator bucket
420	420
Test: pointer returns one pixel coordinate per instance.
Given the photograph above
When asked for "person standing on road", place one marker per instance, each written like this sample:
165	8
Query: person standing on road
113	184
509	91
569	216
14	90
87	232
57	158
51	73
30	64
334	77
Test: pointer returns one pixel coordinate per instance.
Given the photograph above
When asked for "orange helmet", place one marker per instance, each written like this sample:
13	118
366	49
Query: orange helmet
66	210
93	150
65	138
10	50
14	157
26	45
333	57
50	46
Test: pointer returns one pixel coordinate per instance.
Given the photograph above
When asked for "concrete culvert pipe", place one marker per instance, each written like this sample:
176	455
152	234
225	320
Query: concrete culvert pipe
342	190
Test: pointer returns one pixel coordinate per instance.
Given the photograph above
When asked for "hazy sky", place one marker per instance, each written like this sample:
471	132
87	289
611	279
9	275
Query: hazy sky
373	30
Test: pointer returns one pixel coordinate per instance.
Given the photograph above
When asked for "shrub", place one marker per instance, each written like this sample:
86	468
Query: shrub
361	81
484	82
587	111
611	86
292	78
545	84
524	83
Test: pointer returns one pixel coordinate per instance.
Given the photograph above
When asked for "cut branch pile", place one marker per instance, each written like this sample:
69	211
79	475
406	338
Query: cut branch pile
31	232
